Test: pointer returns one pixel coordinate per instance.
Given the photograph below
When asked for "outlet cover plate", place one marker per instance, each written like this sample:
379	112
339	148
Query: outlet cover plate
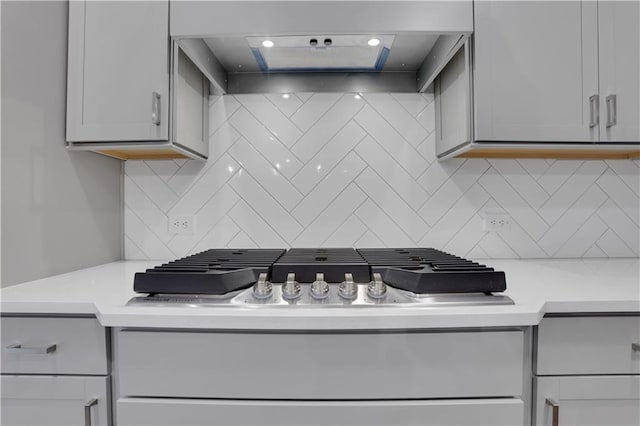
182	225
496	221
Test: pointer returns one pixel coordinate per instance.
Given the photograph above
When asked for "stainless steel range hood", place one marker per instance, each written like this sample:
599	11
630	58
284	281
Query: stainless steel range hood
318	53
285	46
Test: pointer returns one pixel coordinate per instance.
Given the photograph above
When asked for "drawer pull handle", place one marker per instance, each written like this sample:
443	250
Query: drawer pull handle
155	108
635	347
612	111
594	111
555	411
18	349
87	410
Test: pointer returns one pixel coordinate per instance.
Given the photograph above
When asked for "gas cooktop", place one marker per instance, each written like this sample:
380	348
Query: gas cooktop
321	277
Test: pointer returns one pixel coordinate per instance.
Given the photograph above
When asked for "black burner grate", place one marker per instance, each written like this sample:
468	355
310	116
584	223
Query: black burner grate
332	262
216	271
427	270
419	270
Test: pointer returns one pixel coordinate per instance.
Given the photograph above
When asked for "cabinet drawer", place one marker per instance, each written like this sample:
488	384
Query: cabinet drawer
168	412
320	365
54	400
588	345
588	400
53	346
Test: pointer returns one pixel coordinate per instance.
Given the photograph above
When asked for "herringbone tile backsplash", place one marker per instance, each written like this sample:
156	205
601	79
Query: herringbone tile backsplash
346	170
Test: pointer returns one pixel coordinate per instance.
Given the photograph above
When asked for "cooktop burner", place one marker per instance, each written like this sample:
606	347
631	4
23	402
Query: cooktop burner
217	271
348	272
427	270
332	262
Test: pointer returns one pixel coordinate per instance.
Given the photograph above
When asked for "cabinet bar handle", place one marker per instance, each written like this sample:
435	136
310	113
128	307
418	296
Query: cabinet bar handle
612	110
18	349
635	347
87	410
155	108
555	411
594	111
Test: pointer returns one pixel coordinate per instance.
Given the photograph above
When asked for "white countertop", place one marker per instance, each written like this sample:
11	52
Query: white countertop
536	286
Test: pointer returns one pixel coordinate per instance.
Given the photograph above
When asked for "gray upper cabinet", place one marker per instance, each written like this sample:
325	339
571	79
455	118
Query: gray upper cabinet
544	79
535	67
619	66
120	71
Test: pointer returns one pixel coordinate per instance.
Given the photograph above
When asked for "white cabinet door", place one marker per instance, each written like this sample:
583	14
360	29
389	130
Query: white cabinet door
619	37
54	400
535	68
191	412
588	400
118	71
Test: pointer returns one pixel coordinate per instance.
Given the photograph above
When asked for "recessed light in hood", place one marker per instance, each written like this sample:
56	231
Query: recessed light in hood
337	53
267	43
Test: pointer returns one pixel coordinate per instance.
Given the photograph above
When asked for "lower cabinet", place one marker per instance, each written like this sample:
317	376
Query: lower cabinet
587	371
54	400
588	401
320	366
243	378
189	412
55	371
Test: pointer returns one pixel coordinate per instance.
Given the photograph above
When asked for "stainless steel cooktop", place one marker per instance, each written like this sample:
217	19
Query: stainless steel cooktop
321	278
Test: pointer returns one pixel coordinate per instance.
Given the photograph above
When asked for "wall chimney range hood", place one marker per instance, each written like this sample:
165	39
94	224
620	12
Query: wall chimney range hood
337	46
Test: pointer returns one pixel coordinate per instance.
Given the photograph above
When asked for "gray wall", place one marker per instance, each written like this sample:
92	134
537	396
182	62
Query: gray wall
61	210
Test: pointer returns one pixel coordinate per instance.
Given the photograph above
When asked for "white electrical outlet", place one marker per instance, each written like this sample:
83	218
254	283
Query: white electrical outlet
497	221
182	225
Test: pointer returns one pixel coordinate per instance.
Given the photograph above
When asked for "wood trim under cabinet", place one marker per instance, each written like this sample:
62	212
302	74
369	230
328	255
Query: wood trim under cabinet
583	154
143	154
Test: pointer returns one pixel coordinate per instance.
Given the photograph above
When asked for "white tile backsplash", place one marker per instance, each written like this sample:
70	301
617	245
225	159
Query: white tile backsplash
331	169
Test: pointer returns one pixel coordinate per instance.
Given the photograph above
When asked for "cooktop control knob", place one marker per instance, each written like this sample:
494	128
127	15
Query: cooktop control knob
348	288
377	289
291	288
319	288
262	288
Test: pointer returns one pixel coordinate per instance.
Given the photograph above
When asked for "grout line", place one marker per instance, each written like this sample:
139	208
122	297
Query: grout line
636	251
389	217
476	213
395	129
535	182
391	154
595	211
620	174
305	163
202	237
242	197
239	232
126	237
393	161
262	123
414	117
152	231
342	224
260	156
622	209
285	114
319	119
323	178
146	195
257	214
287	148
315	218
